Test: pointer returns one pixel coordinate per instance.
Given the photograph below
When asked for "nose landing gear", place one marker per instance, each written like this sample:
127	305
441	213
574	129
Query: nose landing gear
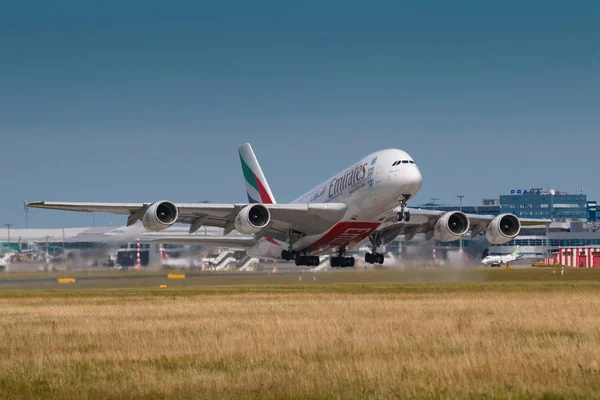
403	215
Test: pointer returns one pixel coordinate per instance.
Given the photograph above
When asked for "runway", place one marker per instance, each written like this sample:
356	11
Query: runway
146	279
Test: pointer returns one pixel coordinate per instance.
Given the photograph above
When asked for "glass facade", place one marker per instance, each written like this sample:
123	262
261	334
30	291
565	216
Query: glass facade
560	207
592	208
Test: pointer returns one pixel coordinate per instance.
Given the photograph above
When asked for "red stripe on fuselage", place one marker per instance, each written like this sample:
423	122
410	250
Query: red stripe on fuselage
271	240
345	234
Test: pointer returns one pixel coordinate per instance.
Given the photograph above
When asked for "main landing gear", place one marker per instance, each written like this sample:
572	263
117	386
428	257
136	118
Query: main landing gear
288	255
374	257
309	261
341	261
403	215
300	259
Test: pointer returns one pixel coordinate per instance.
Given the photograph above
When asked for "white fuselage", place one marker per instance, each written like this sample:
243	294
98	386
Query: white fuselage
499	260
370	189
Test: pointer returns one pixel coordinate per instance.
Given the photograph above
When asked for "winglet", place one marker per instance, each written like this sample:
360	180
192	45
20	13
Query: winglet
257	188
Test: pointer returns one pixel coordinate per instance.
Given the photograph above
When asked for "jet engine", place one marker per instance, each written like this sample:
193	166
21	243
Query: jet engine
160	215
503	229
451	226
252	219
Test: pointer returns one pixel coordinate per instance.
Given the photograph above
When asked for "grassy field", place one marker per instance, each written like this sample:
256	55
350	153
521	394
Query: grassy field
503	334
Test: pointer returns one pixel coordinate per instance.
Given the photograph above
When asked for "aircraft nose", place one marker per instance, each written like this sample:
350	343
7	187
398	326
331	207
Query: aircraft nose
414	179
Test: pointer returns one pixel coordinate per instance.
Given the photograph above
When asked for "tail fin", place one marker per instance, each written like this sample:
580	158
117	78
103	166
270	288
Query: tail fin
517	251
163	255
257	188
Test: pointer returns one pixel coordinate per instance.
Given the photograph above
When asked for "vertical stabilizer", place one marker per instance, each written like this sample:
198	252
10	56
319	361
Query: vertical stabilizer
257	188
517	251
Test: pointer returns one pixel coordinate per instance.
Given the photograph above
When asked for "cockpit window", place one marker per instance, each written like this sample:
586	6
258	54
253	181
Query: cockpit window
402	162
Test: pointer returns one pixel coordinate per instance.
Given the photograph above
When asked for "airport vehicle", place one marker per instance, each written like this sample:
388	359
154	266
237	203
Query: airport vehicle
367	200
498	261
181	263
6	259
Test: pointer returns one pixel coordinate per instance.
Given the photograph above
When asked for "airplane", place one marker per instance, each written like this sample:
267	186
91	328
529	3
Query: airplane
367	200
497	261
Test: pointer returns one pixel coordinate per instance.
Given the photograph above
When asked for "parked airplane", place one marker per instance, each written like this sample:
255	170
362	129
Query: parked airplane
497	261
367	200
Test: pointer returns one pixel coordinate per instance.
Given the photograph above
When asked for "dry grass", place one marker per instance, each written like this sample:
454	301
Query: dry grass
318	344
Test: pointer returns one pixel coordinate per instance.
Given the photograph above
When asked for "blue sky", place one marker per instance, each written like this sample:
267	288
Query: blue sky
142	101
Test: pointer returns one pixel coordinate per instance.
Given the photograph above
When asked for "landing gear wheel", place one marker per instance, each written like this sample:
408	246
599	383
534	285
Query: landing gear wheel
403	216
288	255
374	258
309	261
342	262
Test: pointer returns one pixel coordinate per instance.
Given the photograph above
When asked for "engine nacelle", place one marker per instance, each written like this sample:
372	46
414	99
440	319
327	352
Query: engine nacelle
160	215
252	219
451	226
503	229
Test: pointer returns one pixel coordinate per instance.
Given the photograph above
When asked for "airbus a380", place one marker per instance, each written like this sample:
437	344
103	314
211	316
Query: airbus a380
367	200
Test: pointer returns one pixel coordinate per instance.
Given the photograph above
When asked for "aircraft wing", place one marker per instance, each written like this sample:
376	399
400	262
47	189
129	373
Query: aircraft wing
114	208
307	219
423	221
193	240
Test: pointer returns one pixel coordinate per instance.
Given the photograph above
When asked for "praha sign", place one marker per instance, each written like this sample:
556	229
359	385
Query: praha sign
535	192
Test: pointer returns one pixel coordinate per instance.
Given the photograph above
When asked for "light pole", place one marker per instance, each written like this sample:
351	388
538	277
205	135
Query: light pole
460	198
26	210
8	229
